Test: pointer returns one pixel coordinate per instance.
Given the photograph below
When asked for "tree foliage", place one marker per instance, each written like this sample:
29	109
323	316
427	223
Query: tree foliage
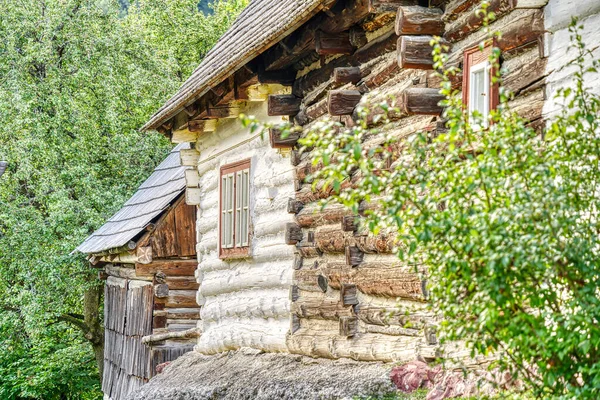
78	78
504	220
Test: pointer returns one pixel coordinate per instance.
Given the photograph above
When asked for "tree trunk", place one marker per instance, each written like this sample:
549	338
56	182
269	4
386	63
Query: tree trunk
91	317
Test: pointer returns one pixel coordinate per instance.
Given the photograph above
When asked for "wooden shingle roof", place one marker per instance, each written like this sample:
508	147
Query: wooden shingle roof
165	184
260	25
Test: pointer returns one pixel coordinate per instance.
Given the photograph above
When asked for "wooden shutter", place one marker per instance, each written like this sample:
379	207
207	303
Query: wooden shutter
235	210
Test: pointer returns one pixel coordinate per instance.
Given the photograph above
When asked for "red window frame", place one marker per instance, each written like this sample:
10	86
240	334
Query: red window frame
235	251
474	56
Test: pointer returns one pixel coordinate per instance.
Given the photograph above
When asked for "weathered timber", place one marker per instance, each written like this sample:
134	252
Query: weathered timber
380	6
354	256
283	104
189	334
389	316
310	280
348	326
528	3
282	76
294	206
524	71
333	43
415	52
421	101
314	215
416	20
375	48
127	273
358	37
457	7
350	223
294	324
321	307
159	321
169	268
279	142
353	12
384	282
348	294
393	331
347	75
161	290
189	157
182	283
473	21
295	157
181	299
343	102
294	293
293	233
298	261
526	29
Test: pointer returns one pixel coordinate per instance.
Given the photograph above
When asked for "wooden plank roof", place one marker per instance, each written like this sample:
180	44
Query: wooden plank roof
260	25
165	184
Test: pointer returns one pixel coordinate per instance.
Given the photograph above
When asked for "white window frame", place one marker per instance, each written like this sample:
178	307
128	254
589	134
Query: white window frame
473	97
234	210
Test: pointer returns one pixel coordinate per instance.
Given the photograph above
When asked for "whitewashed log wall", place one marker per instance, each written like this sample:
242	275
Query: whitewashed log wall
245	301
558	14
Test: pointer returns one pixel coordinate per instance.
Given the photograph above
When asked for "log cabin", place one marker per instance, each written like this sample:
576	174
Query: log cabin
146	253
278	273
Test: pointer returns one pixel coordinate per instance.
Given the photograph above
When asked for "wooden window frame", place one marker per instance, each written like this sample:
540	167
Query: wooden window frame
236	251
472	57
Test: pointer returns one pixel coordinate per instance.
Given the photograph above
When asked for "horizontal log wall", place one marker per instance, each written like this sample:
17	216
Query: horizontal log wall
347	286
244	302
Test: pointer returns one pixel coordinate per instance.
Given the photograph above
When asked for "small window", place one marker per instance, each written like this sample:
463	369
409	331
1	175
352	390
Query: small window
479	94
235	210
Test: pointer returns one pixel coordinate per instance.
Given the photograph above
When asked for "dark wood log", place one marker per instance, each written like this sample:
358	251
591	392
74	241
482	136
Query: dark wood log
382	316
342	102
295	158
283	104
464	27
298	261
294	206
333	43
350	223
515	4
294	324
380	6
348	294
182	283
423	101
527	29
293	233
457	7
102	275
348	326
159	321
279	142
415	52
182	299
161	290
358	37
416	20
347	75
354	11
322	282
294	293
354	256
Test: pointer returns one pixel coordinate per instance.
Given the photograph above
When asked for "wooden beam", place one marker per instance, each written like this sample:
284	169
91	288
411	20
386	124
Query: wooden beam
416	20
283	105
279	142
350	223
380	6
343	102
343	75
415	52
473	21
348	326
188	334
354	256
423	101
348	294
293	233
189	157
333	43
169	268
294	206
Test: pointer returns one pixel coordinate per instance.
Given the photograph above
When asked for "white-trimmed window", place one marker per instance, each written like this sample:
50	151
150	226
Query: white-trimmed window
234	225
479	93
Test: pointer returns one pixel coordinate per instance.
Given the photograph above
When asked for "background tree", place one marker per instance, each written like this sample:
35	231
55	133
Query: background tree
78	78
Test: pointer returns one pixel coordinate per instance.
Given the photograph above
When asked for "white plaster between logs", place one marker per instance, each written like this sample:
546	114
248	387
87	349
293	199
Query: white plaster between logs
245	302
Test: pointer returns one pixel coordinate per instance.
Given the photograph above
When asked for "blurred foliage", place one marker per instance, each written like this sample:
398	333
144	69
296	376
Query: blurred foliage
78	78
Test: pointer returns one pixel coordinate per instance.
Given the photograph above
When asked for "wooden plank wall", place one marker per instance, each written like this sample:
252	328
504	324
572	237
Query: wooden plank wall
127	318
175	232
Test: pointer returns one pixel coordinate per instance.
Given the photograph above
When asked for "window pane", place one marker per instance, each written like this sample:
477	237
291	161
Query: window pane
238	208
223	213
479	89
245	207
230	210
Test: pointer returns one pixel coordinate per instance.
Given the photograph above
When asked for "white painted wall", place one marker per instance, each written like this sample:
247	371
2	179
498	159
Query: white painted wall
558	14
245	303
